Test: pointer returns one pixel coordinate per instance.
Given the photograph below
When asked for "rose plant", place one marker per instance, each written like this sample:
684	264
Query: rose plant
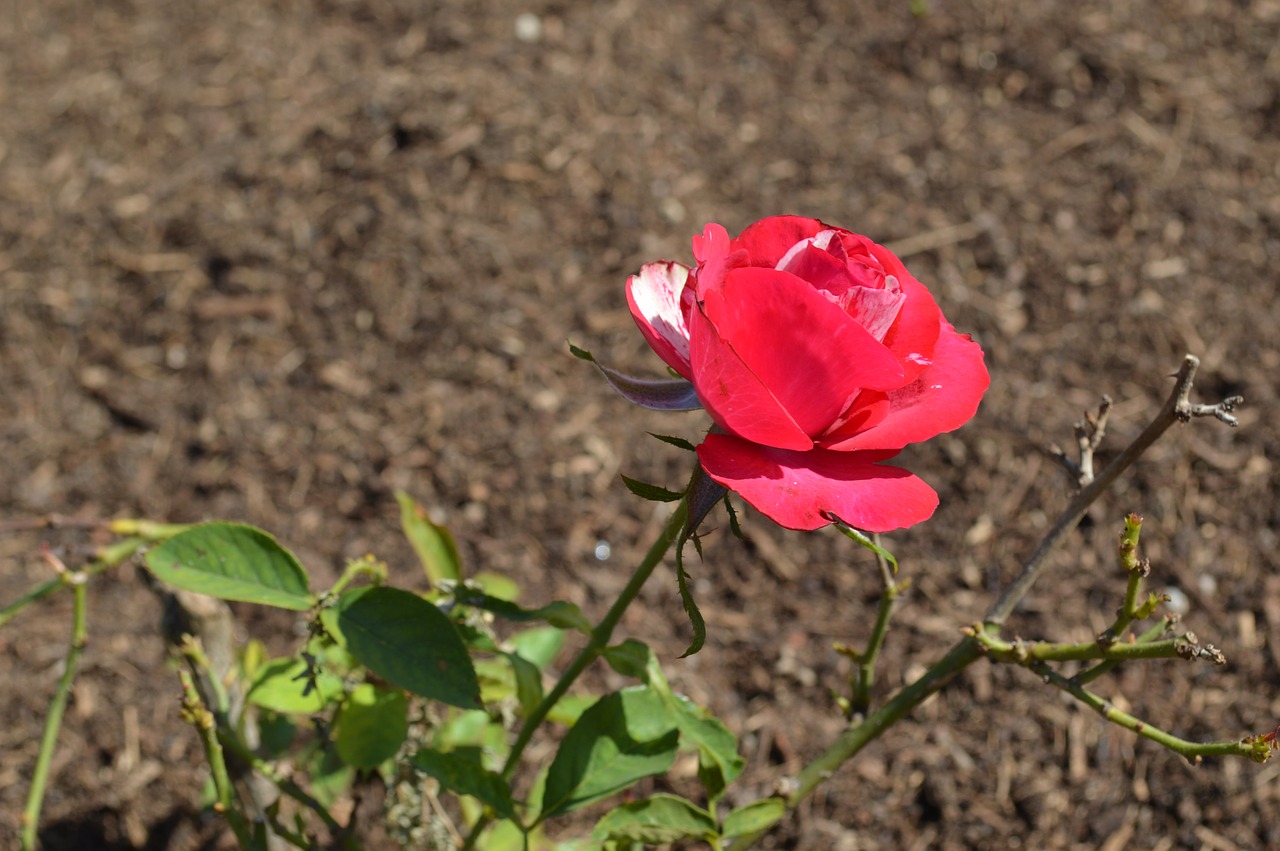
818	358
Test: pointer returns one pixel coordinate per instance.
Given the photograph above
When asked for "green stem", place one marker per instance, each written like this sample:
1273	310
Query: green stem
229	740
39	592
1193	751
286	785
57	708
600	636
354	569
596	643
1026	653
151	530
1154	632
860	698
198	715
106	558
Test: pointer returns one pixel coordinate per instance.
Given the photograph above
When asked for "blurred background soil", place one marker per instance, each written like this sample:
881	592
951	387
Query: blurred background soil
271	261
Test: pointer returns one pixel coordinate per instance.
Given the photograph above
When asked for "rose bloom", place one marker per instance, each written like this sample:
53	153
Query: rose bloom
819	357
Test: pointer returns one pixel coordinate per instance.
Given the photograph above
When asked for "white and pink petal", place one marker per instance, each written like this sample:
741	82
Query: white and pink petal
659	307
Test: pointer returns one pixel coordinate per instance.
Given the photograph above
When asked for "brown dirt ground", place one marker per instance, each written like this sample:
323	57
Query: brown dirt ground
271	261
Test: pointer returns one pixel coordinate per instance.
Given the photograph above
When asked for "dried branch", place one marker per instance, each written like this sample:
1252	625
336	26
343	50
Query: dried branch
1177	408
1089	433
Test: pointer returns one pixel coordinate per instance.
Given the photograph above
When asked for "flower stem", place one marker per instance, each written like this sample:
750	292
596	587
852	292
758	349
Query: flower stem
596	643
860	697
57	707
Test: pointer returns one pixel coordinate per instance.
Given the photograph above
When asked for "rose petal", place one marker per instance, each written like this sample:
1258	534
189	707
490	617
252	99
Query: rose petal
654	297
868	410
802	347
768	240
827	241
943	398
875	310
819	268
733	395
794	488
715	258
919	322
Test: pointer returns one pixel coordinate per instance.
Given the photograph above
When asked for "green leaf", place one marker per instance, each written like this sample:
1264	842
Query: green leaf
651	492
753	817
330	776
463	772
696	622
678	442
656	820
539	645
623	737
475	728
372	725
289	685
719	763
232	561
409	642
528	682
497	680
632	658
570	708
433	543
557	613
496	585
275	734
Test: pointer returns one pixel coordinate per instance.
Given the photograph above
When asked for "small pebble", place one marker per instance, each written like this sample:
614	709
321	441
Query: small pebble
528	27
1178	603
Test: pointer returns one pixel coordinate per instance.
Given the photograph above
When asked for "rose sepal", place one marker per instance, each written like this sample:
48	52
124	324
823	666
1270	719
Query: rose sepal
657	394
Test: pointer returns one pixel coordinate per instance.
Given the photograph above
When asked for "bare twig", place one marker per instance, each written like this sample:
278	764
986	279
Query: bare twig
1089	433
1177	408
49	521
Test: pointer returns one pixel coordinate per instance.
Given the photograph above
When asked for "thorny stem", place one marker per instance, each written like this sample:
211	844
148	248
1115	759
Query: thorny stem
198	715
1031	653
285	784
1137	570
1089	434
1193	751
864	679
1177	408
231	741
1108	665
57	708
596	644
105	558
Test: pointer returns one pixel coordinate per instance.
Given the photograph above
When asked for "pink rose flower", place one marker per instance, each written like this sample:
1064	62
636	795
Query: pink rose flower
819	357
